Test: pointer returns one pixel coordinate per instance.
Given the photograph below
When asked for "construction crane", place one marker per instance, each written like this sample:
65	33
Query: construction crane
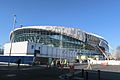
98	48
103	52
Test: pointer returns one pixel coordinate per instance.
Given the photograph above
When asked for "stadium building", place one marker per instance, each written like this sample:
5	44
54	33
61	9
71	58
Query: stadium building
47	43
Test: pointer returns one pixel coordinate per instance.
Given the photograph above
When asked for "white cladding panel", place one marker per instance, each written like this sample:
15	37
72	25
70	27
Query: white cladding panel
31	48
18	48
58	52
50	51
44	50
54	52
28	48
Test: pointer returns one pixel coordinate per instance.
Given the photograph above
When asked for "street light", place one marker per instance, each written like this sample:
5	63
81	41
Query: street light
35	50
12	38
61	44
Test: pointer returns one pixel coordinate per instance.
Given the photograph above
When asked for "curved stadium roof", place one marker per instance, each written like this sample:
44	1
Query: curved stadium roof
72	32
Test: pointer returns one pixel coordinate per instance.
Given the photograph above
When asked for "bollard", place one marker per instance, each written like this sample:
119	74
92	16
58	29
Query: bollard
82	72
98	74
86	78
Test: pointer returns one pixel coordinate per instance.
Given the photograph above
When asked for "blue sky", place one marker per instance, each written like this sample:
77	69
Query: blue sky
101	17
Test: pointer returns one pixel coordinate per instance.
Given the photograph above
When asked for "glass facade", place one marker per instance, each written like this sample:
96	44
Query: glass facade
75	40
46	37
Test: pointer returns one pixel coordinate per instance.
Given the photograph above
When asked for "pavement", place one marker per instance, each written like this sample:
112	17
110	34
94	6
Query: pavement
42	72
107	72
108	68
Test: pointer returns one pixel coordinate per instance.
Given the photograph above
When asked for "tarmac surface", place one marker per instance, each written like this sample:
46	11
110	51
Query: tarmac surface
107	72
109	68
54	73
30	72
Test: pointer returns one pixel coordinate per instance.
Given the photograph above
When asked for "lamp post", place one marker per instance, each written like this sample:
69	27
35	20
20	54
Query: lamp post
35	50
61	43
12	38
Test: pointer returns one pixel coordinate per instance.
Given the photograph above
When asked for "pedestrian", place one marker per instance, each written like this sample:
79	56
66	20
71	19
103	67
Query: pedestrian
58	63
65	63
34	61
18	62
89	65
52	63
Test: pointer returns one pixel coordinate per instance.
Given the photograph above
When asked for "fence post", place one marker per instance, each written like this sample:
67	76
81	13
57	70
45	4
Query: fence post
98	74
86	78
82	72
